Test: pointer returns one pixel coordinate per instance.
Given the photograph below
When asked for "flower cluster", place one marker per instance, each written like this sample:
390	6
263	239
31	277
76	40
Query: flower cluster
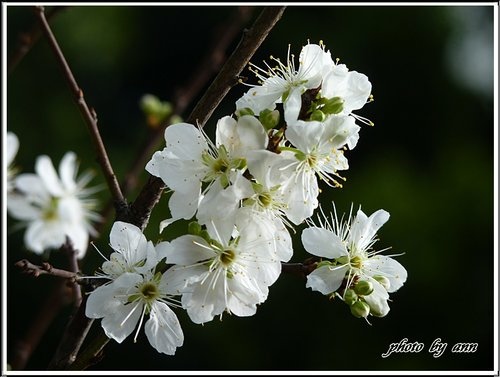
54	208
242	196
350	269
136	287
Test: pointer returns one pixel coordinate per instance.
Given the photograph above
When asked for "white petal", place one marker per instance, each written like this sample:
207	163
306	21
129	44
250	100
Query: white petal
42	236
388	267
206	300
189	249
67	171
377	300
45	169
79	236
301	192
163	329
176	279
32	185
20	208
185	140
128	240
184	204
122	320
323	243
12	147
364	229
326	279
292	106
260	98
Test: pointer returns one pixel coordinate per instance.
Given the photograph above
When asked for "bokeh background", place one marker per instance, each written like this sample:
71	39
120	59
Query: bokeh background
429	161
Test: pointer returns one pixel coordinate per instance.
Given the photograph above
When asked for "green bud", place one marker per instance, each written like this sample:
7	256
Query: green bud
318	115
154	109
383	281
343	260
269	118
194	228
350	297
240	163
333	105
245	111
174	119
204	234
360	309
324	263
363	288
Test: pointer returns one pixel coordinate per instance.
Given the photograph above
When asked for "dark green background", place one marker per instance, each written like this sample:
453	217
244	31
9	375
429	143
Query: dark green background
428	161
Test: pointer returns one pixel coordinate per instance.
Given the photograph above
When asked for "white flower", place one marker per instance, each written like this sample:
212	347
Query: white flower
135	290
191	159
132	252
353	88
54	207
347	248
12	148
126	300
286	84
214	276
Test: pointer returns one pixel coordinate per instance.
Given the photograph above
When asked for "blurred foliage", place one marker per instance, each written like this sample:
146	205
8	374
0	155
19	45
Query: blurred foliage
428	161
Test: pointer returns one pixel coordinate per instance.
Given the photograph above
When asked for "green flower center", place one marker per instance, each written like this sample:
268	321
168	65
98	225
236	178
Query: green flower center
50	213
227	257
149	291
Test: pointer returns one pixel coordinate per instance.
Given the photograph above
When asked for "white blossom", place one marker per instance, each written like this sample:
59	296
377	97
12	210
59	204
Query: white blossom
285	84
349	258
214	275
190	160
53	206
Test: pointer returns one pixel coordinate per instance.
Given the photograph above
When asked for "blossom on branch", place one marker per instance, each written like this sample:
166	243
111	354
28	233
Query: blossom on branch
135	289
350	268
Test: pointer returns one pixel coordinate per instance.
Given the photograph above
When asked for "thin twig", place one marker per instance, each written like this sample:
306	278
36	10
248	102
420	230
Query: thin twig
26	40
89	115
72	340
71	254
45	269
142	207
208	66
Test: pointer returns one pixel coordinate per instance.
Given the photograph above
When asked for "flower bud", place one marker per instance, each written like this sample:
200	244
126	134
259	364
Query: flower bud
269	118
383	281
363	288
194	228
350	297
154	109
244	111
360	309
318	115
333	105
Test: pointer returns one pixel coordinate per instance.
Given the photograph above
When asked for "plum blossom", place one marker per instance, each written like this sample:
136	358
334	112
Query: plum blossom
190	160
285	83
214	275
135	290
54	207
350	260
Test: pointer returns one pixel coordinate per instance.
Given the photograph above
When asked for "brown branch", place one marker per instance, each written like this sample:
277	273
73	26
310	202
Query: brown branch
72	340
228	76
208	66
26	40
141	209
45	269
89	115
